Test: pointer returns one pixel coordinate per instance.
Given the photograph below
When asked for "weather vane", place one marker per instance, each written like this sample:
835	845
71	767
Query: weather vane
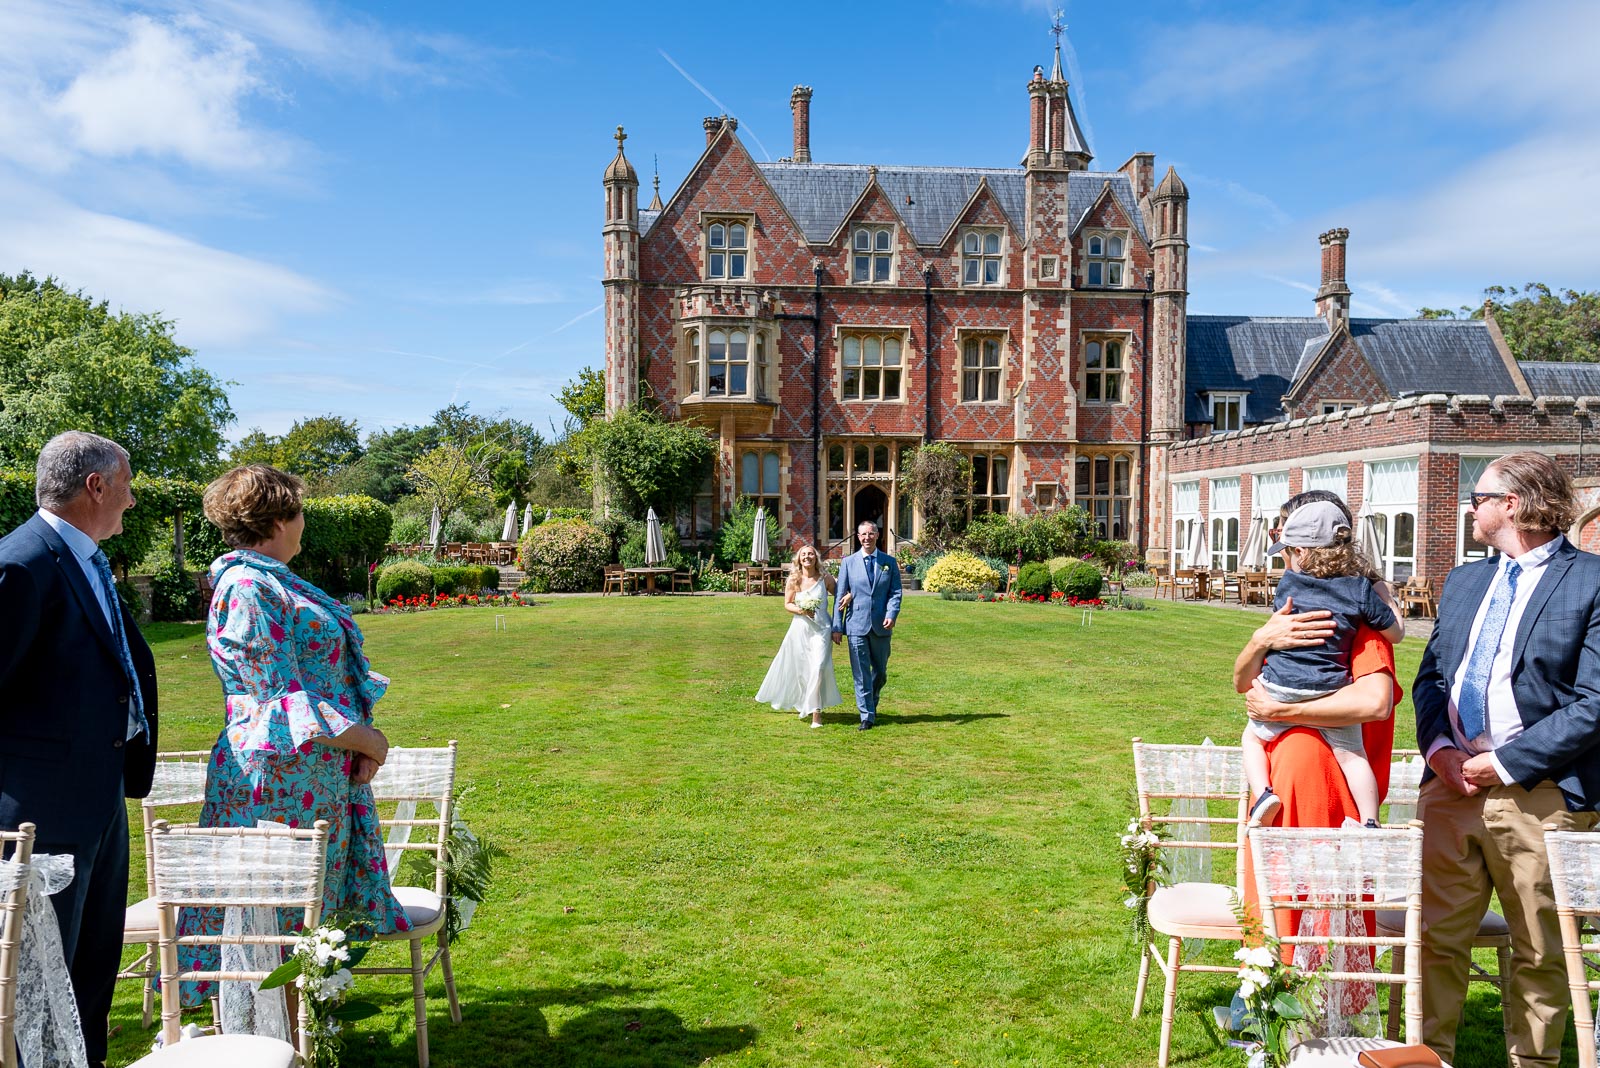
1058	27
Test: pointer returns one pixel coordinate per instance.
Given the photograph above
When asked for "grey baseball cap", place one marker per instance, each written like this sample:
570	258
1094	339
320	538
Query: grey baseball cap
1311	526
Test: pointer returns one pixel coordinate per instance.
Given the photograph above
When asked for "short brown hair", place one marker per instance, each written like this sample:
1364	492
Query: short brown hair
1546	499
247	502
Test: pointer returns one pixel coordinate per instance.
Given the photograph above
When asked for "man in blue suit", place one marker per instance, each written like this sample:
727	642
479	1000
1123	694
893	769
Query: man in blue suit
872	581
1508	716
77	704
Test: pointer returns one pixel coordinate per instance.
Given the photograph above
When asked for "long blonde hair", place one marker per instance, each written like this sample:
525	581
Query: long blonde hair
797	572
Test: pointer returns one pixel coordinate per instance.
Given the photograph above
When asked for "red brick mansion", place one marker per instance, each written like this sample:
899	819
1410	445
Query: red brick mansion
823	319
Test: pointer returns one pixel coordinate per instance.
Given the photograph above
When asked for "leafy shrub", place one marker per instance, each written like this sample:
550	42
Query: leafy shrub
631	550
714	581
738	532
961	572
564	555
409	530
408	578
142	526
457	527
1114	556
465	578
1036	536
342	536
1139	580
1034	580
1079	579
174	597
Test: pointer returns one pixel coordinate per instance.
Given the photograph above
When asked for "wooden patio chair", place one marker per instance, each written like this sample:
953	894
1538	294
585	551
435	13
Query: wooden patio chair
1163	576
16	851
1418	593
755	579
1185	584
617	579
682	581
1575	876
1342	872
1222	585
180	781
243	867
1210	775
1012	570
412	777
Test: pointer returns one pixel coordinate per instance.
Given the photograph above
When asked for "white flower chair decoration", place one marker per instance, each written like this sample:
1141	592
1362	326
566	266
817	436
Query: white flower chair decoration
1185	775
1575	876
180	781
408	778
235	868
1341	873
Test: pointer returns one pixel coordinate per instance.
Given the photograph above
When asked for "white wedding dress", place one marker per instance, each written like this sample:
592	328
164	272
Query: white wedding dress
801	676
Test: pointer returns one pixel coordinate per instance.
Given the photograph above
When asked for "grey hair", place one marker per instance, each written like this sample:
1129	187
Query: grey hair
876	529
67	460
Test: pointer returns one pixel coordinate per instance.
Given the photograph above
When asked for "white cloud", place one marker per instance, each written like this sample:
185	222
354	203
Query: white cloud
171	90
216	297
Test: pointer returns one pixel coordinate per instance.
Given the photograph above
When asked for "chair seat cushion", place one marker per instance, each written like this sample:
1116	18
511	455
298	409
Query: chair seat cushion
1492	926
139	922
1336	1052
235	1051
1194	910
424	909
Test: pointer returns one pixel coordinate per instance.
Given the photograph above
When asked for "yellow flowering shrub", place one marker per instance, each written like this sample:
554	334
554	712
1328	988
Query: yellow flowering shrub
961	572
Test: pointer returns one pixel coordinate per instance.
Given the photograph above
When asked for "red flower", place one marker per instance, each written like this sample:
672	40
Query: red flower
305	802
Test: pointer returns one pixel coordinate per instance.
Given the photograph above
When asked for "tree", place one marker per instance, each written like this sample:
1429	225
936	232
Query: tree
640	461
447	477
1539	323
938	477
389	454
313	448
585	396
68	363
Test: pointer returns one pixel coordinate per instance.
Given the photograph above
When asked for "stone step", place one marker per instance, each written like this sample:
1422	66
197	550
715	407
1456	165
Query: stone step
510	578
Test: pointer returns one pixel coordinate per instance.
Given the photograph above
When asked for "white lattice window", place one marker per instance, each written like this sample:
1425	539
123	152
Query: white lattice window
1227	411
1334	479
872	254
981	257
1271	491
1104	255
1185	514
871	366
1224	538
1390	504
1468	547
727	249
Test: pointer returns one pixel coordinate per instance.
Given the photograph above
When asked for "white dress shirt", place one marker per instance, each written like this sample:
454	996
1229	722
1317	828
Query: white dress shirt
1503	720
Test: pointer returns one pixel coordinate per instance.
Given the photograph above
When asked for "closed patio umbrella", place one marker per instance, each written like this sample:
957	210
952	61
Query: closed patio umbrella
758	541
1197	555
655	546
435	527
1254	557
527	517
1368	541
509	530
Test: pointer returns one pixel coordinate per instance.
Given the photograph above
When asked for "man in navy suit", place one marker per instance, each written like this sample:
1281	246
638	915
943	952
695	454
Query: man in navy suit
1508	716
872	580
77	704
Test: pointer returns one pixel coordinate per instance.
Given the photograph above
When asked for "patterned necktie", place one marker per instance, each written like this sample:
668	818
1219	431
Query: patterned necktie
136	721
1473	706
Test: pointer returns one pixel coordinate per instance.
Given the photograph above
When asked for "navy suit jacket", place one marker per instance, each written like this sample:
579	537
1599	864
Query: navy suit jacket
880	591
65	761
1555	671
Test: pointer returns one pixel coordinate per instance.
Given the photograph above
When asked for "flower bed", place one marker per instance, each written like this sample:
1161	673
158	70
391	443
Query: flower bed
1055	597
427	602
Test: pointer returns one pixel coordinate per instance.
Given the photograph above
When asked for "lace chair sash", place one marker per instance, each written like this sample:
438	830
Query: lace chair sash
48	1032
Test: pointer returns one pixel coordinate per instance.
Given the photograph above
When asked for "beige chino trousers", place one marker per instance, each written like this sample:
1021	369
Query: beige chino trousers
1493	840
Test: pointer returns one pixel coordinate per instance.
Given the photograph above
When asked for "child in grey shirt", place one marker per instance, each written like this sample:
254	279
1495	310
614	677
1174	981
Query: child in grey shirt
1329	575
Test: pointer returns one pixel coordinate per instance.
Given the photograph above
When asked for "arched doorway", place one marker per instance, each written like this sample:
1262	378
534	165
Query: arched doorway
871	503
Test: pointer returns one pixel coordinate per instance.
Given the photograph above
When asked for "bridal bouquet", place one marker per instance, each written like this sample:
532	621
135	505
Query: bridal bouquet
809	601
320	968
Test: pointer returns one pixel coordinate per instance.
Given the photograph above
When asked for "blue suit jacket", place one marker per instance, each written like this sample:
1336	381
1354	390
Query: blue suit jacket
1555	671
64	758
880	589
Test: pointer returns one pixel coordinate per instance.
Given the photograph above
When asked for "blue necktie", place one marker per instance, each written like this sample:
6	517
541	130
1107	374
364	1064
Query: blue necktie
1473	705
136	721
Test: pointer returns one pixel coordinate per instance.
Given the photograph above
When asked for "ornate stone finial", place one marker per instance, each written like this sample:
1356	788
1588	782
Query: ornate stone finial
621	137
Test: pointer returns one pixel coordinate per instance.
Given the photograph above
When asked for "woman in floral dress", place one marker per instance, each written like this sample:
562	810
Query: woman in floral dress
298	745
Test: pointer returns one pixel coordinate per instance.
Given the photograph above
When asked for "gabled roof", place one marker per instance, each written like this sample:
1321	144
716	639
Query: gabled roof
1267	355
1561	379
820	195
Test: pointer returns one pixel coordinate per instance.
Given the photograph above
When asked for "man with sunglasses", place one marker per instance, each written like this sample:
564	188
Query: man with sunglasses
1508	714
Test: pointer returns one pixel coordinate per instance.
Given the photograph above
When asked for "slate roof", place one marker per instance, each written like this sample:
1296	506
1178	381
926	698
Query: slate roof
820	195
1562	379
1264	356
647	219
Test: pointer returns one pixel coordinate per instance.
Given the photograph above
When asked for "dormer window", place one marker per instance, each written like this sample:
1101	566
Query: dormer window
1103	259
1227	412
727	249
980	257
873	248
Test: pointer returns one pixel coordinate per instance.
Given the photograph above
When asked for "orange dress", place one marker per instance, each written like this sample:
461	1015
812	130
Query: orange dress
1306	776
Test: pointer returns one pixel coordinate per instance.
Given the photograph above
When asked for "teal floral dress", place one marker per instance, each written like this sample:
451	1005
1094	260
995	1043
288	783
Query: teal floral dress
292	670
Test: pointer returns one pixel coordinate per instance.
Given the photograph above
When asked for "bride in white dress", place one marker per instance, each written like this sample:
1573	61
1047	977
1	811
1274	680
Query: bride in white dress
801	675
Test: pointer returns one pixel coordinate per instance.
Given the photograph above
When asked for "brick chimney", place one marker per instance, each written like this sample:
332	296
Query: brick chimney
800	105
1333	295
714	124
1036	156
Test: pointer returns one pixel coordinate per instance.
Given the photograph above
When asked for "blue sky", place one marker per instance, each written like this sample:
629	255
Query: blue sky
372	209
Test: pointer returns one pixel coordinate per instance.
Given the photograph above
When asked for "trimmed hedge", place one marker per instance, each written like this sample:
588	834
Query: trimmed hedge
1079	579
408	578
149	520
343	535
467	578
1034	580
174	596
564	555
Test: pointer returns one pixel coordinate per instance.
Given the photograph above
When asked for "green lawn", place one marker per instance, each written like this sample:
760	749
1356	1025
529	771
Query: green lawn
692	878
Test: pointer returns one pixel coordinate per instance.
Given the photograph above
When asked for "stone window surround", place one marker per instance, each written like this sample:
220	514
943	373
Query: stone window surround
979	333
900	331
1335	407
1007	493
872	228
1213	398
1125	338
1121	262
760	387
1001	257
760	449
1111	497
748	220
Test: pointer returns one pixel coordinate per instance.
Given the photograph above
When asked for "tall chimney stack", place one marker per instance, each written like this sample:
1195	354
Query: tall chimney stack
800	105
1333	295
714	125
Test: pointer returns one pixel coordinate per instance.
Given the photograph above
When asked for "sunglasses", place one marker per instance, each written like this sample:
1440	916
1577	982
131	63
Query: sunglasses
1478	498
